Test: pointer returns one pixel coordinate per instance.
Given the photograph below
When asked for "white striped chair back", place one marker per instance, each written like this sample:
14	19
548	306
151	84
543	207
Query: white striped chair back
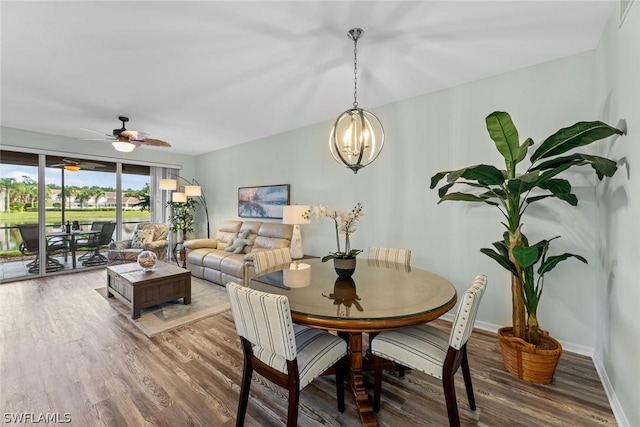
467	311
263	319
270	260
390	257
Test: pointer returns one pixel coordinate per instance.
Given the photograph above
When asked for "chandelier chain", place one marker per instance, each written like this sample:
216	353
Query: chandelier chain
355	73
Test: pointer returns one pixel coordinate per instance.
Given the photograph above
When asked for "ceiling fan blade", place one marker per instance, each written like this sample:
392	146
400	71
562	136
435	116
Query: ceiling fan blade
154	142
95	131
90	165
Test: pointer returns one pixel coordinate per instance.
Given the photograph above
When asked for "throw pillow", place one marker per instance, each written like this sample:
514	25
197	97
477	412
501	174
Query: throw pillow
238	245
244	234
141	237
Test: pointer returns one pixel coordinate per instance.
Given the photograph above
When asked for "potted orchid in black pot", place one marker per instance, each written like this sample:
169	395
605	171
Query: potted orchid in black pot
345	222
527	350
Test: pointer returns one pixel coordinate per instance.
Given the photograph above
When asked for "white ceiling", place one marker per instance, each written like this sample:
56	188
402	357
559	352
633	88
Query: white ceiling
204	75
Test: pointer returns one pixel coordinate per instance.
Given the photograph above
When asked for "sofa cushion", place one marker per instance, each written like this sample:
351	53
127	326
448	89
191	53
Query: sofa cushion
140	237
273	236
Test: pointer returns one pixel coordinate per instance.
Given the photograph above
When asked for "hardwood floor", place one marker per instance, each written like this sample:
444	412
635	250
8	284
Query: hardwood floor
64	350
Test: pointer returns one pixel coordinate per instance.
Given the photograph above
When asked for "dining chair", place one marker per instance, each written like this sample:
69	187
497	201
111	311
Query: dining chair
433	351
291	356
390	257
271	260
30	245
94	243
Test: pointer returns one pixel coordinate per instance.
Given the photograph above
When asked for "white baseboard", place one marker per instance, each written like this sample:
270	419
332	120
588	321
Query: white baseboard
583	350
618	412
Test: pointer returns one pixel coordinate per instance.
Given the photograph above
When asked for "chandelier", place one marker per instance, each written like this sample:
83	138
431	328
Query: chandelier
357	136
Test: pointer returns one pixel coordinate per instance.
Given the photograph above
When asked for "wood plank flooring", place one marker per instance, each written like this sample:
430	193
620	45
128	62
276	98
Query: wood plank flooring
65	350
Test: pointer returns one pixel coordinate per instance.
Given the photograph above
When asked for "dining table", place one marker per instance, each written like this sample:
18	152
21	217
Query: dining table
72	237
379	296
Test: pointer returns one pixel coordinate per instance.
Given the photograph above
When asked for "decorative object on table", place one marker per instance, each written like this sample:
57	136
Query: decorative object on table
345	223
75	225
266	201
357	136
295	215
67	227
344	294
190	189
298	275
511	193
147	260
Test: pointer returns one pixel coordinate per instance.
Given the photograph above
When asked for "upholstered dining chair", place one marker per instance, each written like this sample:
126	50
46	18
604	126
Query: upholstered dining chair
433	351
390	257
270	260
289	355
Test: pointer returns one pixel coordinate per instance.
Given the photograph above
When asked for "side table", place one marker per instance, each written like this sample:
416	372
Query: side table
180	254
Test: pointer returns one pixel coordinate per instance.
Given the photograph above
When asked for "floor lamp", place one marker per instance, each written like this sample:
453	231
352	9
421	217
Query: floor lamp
191	189
295	215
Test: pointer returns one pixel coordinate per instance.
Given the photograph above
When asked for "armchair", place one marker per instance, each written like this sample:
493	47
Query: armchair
145	237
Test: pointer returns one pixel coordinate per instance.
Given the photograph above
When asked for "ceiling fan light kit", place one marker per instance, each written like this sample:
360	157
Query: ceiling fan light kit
357	136
123	145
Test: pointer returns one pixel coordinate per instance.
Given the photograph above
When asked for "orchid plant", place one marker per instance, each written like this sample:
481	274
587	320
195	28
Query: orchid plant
345	223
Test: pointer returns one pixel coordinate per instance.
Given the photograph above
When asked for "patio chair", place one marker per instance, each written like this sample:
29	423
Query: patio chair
291	356
433	351
88	244
94	244
31	246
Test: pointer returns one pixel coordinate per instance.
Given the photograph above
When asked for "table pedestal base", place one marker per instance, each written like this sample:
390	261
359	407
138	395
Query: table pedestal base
356	354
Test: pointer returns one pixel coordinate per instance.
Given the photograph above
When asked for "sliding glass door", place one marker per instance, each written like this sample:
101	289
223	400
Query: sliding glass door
78	192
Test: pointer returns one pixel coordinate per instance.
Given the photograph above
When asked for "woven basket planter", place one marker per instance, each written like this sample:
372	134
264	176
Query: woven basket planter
527	361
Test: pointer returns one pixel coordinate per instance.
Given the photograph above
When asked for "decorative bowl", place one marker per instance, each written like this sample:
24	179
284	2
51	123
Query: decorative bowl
147	259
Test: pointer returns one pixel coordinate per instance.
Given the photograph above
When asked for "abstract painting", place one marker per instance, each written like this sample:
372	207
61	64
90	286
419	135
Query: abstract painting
265	201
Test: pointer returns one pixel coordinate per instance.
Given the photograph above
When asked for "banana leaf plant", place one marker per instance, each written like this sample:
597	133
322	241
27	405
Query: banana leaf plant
512	193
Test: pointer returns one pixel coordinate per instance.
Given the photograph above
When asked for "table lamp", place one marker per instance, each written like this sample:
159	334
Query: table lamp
294	215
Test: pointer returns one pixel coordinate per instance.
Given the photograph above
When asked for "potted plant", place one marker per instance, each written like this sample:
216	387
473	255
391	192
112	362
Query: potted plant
511	193
345	222
181	217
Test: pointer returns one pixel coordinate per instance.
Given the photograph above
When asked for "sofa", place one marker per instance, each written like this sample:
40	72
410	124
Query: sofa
229	256
145	237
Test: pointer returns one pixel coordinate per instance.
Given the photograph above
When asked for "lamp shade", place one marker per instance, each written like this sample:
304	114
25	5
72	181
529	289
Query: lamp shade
168	184
193	190
178	197
294	214
123	146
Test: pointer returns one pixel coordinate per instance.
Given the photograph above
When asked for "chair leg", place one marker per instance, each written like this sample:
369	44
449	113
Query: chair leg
377	382
340	368
247	372
292	413
466	373
448	384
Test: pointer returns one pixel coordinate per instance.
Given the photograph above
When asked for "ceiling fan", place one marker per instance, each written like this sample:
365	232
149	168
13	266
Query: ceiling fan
126	140
75	165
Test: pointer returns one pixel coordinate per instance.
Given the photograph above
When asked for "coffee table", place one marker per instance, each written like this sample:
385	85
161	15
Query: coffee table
141	289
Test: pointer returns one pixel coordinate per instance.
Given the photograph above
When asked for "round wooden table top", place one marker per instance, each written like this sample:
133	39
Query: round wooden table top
377	297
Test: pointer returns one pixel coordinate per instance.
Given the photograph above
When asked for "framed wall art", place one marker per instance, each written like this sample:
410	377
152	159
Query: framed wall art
264	201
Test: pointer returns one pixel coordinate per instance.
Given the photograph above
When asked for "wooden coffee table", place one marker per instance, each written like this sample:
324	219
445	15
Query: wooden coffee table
141	289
